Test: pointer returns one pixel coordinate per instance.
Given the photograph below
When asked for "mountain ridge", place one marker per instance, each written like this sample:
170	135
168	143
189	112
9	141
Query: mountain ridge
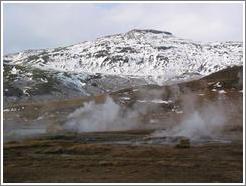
117	61
144	53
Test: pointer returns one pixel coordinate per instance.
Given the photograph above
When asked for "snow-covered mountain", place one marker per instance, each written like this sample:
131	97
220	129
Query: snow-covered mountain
156	56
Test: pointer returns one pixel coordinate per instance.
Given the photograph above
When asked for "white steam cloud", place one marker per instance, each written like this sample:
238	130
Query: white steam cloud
108	116
199	121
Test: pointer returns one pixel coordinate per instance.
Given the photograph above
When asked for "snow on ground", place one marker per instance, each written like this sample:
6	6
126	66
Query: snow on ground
218	85
222	91
125	98
14	71
155	101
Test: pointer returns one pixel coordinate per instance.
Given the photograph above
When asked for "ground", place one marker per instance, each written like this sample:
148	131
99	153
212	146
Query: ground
133	155
71	159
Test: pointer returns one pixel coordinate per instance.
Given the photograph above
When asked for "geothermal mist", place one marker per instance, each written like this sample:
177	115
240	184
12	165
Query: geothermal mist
108	116
199	119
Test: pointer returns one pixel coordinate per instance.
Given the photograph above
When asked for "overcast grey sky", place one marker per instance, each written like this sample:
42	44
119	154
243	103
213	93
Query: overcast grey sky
32	26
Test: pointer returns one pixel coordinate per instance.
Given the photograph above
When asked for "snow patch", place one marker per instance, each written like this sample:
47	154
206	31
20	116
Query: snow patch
222	91
14	71
155	101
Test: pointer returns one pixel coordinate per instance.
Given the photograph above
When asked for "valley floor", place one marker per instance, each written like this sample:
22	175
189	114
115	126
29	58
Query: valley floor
97	157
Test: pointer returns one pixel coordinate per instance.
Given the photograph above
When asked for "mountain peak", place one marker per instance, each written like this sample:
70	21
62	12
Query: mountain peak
150	31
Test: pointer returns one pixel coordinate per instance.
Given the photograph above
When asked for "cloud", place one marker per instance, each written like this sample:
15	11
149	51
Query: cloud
48	25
